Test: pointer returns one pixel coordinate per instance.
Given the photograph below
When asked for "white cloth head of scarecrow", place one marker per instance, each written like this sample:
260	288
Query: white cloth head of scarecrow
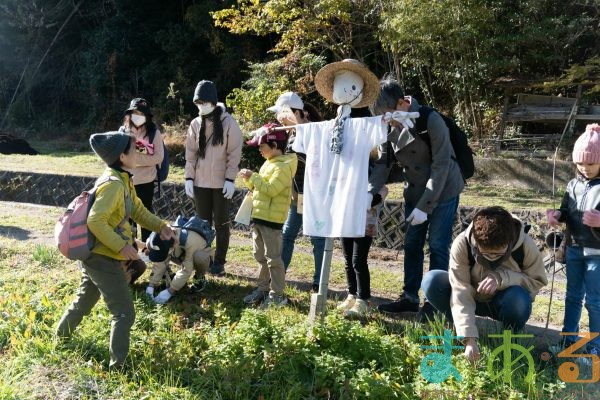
347	88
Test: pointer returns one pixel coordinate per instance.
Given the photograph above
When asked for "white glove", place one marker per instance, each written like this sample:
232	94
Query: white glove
189	188
228	189
417	217
162	297
369	201
403	117
150	291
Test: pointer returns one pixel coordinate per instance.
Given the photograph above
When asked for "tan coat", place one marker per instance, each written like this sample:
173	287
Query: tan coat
465	279
145	170
220	162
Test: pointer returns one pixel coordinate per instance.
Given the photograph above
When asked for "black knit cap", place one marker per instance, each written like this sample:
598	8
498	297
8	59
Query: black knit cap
164	246
109	145
206	91
139	104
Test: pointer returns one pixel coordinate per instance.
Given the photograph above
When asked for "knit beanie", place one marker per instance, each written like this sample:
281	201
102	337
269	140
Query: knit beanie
109	145
206	91
587	146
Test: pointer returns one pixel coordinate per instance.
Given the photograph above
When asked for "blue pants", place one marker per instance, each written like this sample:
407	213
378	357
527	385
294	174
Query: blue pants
583	281
439	224
290	231
511	306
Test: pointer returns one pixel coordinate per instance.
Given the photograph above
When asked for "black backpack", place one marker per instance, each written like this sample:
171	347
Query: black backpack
458	138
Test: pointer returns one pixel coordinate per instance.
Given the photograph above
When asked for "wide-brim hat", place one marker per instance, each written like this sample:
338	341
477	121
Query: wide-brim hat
326	75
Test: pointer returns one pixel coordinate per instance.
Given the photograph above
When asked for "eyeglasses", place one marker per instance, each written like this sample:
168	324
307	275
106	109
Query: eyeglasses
493	253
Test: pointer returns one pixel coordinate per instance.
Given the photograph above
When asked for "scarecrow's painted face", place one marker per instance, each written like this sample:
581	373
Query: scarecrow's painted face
347	88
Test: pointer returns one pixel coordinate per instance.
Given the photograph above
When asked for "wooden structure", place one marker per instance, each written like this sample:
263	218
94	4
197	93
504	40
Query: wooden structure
555	111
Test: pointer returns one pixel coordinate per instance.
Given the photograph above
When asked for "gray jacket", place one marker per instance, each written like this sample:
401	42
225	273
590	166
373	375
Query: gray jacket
430	176
581	195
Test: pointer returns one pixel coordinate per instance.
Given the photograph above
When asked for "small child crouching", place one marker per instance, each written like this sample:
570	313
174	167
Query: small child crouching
271	188
190	248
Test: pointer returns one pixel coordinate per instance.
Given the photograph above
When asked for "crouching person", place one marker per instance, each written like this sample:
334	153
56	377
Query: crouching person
495	271
104	272
271	194
190	248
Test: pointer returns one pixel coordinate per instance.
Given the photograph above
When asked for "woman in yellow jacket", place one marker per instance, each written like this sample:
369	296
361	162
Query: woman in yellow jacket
103	273
271	190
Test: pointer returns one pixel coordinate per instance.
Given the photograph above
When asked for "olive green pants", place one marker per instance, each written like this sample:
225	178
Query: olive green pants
103	276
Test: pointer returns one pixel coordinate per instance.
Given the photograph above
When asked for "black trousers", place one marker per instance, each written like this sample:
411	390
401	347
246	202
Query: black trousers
356	251
213	207
145	192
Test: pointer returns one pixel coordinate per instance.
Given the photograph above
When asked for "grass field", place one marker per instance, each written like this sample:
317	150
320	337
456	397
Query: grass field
208	346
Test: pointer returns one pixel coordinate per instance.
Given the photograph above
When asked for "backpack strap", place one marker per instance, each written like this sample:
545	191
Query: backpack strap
183	236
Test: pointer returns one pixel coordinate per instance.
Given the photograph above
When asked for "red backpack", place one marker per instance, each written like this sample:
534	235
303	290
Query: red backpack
71	233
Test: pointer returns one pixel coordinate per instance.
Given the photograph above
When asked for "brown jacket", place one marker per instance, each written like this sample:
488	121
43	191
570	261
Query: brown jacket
464	279
220	162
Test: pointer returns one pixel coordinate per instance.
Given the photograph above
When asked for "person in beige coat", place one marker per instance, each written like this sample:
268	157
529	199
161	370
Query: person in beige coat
495	270
149	153
213	149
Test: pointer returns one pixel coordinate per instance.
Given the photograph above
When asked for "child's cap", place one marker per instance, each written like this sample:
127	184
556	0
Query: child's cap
266	134
139	104
159	249
587	146
109	145
205	91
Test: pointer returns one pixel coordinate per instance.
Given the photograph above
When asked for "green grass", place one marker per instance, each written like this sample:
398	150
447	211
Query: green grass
210	346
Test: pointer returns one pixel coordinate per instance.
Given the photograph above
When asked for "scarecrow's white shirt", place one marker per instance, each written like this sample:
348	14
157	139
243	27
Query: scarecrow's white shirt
335	186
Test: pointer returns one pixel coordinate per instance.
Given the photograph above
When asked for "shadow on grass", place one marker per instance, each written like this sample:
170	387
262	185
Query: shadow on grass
14	232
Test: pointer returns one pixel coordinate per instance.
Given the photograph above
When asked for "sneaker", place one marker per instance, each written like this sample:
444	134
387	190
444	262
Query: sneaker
274	300
198	285
403	304
427	312
359	310
315	288
257	296
347	304
217	269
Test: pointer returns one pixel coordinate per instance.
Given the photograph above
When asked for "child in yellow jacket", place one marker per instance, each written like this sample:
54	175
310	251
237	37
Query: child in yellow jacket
271	191
103	273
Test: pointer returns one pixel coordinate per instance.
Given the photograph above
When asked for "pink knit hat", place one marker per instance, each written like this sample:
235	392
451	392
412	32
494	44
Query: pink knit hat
587	146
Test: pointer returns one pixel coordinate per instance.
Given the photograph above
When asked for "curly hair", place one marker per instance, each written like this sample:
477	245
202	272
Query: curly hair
493	227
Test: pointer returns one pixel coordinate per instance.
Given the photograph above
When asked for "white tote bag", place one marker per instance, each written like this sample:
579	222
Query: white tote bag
245	211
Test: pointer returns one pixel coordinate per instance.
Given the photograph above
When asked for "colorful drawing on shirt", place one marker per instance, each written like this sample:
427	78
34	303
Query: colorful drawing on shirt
437	367
508	364
319	225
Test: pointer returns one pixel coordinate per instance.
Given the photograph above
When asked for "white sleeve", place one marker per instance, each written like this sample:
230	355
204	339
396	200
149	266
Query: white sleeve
377	131
301	132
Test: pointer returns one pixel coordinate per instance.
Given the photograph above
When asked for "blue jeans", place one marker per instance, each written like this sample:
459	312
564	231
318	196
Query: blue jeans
439	224
511	306
583	281
290	231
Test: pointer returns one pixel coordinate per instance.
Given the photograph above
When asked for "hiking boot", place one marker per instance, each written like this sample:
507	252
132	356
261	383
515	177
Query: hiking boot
359	310
216	269
274	300
257	296
198	285
427	313
403	304
347	304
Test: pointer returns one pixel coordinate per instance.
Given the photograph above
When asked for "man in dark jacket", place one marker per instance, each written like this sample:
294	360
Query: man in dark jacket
432	186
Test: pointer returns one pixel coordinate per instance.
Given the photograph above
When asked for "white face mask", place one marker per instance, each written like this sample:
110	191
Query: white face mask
138	120
205	108
347	88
